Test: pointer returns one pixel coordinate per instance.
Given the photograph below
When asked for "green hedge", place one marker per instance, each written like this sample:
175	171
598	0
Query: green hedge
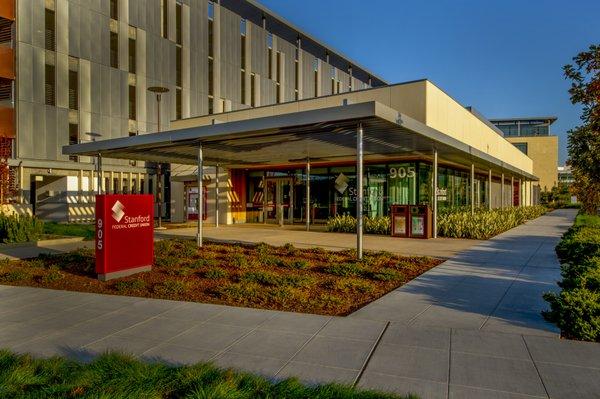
576	309
20	228
483	223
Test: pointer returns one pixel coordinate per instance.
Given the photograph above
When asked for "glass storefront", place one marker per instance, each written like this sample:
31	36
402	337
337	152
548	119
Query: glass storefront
333	190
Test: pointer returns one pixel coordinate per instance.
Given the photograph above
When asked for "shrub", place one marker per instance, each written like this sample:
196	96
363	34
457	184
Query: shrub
576	312
20	228
384	274
202	262
54	274
167	262
579	243
350	285
129	285
262	278
347	224
576	309
237	260
16	275
344	269
299	264
171	287
215	273
483	223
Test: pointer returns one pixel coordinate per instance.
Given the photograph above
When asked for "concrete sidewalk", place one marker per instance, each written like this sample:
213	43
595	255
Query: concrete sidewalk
465	329
271	234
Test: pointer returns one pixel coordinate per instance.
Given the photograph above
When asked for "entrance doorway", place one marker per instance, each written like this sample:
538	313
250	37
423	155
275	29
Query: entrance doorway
279	200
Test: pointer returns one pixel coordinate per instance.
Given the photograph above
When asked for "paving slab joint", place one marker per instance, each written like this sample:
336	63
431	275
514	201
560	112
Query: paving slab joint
370	355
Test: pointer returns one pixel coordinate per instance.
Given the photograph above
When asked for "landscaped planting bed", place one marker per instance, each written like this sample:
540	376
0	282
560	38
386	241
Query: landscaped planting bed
576	309
262	276
119	376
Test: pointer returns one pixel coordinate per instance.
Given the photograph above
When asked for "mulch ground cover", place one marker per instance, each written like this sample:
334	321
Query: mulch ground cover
260	276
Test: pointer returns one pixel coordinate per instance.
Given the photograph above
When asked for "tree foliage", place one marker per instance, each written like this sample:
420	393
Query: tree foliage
584	141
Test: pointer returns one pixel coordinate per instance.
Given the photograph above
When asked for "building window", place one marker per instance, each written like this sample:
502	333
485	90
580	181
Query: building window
178	63
114	50
210	77
253	90
73	90
73	139
164	12
243	86
211	38
278	60
50	30
114	9
316	76
243	27
178	34
50	85
178	104
522	147
270	54
211	105
243	52
296	75
211	10
132	103
132	56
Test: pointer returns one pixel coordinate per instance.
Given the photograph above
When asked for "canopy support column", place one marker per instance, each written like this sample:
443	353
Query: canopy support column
472	188
217	195
307	194
359	191
489	190
200	176
512	191
434	185
99	173
502	191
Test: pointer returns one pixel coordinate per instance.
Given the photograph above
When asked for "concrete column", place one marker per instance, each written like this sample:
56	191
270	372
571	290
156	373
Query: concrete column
512	191
435	189
472	188
139	183
217	195
80	186
200	197
264	184
489	189
502	190
307	194
359	192
99	173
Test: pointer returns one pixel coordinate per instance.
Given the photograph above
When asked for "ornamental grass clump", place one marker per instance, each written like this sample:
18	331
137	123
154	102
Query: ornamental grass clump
347	224
483	223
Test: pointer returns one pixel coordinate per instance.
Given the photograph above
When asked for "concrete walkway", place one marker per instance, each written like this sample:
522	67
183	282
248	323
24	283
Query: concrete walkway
466	329
296	235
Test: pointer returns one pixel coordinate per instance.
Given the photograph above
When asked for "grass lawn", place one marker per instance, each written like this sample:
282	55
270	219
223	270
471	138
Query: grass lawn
70	229
261	276
119	376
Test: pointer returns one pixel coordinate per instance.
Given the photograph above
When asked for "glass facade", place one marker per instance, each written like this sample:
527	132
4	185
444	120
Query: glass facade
333	190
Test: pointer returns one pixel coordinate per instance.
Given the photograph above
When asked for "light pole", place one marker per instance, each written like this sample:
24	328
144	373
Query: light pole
159	91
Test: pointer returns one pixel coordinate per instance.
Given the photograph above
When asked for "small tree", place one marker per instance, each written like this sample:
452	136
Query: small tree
584	141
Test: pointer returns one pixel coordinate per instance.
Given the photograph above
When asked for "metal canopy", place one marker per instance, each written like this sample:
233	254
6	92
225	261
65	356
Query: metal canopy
323	135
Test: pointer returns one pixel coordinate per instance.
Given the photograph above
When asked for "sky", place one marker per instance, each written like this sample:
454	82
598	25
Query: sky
503	57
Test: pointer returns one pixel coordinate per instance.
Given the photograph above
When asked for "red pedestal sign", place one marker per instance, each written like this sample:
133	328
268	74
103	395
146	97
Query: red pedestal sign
124	234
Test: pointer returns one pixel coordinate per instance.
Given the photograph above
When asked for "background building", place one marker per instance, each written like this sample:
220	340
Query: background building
532	136
74	71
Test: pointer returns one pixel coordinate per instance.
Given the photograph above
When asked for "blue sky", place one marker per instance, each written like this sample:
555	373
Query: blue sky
503	57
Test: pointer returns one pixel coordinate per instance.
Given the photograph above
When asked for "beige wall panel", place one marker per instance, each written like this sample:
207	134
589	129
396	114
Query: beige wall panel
543	150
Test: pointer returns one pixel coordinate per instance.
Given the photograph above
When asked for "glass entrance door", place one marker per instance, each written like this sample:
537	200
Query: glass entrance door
279	200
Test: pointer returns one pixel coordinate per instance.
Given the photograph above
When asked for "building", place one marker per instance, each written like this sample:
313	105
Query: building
73	71
565	175
299	162
82	111
532	136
